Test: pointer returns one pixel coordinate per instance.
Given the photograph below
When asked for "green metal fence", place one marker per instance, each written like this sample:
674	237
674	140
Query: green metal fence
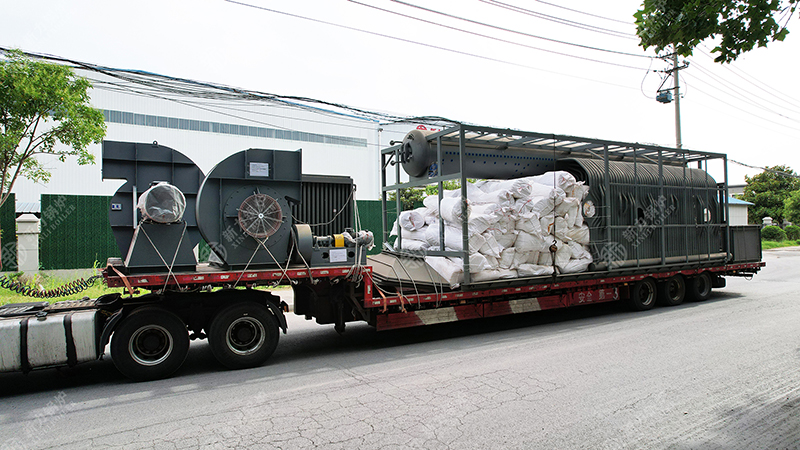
75	232
370	213
8	240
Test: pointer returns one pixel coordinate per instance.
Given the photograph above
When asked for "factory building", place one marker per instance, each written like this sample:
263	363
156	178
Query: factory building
207	126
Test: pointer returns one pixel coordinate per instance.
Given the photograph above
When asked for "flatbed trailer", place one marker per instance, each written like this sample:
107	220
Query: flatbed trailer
148	329
684	256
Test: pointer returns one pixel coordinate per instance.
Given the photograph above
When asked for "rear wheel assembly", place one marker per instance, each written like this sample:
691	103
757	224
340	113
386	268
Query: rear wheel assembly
700	287
243	335
149	344
672	291
643	295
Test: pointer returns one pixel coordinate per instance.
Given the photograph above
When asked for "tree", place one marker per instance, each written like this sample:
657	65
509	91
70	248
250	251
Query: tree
740	25
769	191
791	207
42	105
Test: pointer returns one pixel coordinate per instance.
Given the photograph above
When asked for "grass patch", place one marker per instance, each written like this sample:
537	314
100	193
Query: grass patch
47	282
767	245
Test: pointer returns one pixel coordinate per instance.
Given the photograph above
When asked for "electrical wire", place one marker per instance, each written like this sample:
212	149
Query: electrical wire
562	21
744	110
521	33
583	12
436	47
742	93
755	82
765	169
493	38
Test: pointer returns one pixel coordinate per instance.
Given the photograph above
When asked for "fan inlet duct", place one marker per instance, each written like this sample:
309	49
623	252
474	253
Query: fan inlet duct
162	203
260	216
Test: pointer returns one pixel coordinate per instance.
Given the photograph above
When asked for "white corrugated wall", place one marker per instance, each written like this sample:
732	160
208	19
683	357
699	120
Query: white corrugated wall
206	148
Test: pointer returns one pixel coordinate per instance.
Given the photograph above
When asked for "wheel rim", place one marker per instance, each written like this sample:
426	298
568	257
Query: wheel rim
245	336
646	294
150	345
674	289
703	284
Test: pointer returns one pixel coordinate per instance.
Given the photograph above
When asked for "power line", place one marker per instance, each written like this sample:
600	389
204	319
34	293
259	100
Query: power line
780	95
583	12
727	113
436	47
765	169
745	111
521	33
562	21
490	37
737	90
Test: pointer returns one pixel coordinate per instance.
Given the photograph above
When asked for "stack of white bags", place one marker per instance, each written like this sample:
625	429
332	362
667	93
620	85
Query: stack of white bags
512	226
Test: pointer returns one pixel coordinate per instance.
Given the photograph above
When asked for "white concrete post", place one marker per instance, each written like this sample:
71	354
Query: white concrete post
28	243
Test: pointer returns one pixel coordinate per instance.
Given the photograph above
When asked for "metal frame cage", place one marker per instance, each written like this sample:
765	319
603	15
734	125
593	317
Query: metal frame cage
625	179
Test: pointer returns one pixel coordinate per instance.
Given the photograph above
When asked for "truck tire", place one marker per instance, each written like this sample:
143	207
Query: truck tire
700	287
672	291
643	295
243	335
151	343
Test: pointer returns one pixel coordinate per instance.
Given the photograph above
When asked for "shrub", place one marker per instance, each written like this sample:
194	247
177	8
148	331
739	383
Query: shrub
773	233
792	232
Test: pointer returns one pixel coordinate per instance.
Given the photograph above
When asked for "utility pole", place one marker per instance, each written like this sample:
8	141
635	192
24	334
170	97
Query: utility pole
677	88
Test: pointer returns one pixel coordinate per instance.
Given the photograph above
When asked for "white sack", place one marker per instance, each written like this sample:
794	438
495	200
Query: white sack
419	235
576	265
529	223
412	245
534	270
568	209
520	187
478	263
452	238
491	247
563	255
413	220
554	225
560	179
521	258
494	275
579	191
507	258
579	251
451	210
588	209
527	243
505	240
452	272
579	234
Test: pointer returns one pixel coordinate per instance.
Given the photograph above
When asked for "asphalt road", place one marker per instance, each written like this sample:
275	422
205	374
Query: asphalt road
722	374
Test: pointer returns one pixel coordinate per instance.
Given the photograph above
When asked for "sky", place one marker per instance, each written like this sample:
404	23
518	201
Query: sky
523	64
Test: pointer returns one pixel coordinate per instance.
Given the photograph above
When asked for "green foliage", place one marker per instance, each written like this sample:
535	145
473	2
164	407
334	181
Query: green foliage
412	198
768	245
740	25
768	192
773	233
409	198
42	105
792	232
791	207
449	185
